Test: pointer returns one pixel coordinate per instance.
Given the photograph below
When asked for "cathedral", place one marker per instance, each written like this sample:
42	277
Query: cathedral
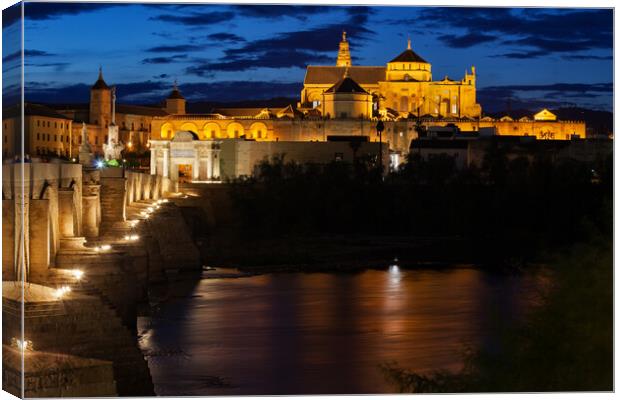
337	100
402	88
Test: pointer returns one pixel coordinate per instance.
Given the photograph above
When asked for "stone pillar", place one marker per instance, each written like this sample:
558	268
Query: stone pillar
90	222
40	240
166	162
153	161
8	239
196	166
113	192
216	163
209	164
66	207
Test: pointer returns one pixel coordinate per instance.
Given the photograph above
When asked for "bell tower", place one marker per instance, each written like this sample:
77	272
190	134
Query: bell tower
100	102
175	103
344	56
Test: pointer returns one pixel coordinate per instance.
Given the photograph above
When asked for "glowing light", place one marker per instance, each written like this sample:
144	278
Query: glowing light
132	238
105	247
99	164
164	201
21	345
129	144
73	160
133	223
150	209
61	291
77	274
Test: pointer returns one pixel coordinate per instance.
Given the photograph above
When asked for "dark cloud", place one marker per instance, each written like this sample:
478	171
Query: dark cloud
27	53
524	55
154	92
43	11
176	48
226	91
57	66
268	11
165	60
197	18
284	58
291	49
587	57
537	30
468	40
494	98
226	37
11	15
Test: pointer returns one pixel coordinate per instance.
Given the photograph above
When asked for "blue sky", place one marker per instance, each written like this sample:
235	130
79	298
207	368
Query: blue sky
531	56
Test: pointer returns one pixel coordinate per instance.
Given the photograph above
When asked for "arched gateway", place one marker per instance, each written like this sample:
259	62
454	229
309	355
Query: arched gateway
187	157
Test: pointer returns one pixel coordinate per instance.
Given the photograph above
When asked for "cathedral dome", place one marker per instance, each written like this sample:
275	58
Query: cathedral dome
409	56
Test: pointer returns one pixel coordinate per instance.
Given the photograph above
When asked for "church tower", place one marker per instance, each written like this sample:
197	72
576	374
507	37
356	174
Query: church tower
175	103
344	57
100	102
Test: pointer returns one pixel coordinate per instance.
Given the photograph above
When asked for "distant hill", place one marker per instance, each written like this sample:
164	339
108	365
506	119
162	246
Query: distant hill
598	122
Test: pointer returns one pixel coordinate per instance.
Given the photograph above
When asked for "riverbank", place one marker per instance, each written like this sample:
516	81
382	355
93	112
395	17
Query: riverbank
348	253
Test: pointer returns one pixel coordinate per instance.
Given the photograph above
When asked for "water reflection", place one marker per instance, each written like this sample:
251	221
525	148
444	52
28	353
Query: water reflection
323	333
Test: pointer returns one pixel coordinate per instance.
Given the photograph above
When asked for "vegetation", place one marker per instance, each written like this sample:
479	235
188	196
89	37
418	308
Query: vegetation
514	208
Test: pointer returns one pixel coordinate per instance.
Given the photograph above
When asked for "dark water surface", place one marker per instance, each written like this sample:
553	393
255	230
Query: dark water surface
321	333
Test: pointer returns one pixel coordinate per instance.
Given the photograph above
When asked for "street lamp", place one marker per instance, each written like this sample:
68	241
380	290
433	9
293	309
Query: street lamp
380	127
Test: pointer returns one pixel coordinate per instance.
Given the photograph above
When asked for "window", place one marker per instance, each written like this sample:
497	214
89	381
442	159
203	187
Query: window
38	138
132	126
55	125
38	123
48	124
343	115
260	134
454	109
141	125
55	138
48	137
212	134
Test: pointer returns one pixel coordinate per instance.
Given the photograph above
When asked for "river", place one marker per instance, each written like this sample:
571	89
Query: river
323	333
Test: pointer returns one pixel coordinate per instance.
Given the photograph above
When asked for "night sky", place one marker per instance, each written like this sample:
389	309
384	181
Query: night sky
534	57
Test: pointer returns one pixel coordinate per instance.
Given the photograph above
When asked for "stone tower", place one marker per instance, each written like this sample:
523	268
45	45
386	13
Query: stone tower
100	102
344	56
175	103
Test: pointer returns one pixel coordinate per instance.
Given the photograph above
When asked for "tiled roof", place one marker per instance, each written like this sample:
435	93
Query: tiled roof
346	85
329	75
240	112
140	110
409	56
32	109
176	94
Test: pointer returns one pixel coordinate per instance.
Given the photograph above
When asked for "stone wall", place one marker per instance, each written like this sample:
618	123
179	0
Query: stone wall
239	157
142	186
